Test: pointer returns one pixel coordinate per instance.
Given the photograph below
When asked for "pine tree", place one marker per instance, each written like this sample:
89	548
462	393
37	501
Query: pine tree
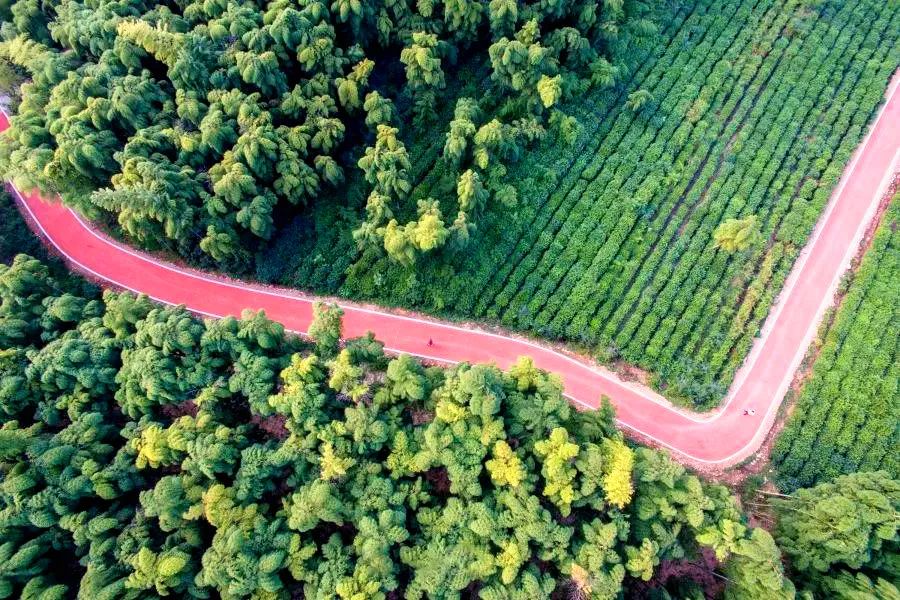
559	473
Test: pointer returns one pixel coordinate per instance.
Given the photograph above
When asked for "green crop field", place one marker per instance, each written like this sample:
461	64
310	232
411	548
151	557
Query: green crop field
757	106
847	414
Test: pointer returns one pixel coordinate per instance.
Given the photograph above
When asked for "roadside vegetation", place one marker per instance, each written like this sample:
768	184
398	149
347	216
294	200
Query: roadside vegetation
756	108
198	127
847	413
15	237
146	452
630	177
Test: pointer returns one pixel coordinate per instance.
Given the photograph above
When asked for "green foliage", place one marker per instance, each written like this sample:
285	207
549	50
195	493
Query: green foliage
557	455
325	329
639	99
852	522
15	237
146	452
195	126
505	467
755	570
859	587
846	414
423	72
757	108
733	235
840	539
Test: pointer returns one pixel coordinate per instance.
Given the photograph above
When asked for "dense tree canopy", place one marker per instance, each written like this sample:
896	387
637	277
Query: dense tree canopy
843	536
193	121
144	452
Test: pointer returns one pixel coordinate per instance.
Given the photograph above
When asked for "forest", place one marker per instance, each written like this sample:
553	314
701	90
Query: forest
144	452
199	126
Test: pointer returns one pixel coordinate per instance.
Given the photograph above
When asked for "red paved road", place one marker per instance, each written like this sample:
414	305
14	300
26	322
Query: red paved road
718	439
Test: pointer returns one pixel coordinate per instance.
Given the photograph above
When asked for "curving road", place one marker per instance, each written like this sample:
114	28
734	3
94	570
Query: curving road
719	439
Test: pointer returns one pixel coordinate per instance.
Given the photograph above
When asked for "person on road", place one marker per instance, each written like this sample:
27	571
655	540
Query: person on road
749	411
430	342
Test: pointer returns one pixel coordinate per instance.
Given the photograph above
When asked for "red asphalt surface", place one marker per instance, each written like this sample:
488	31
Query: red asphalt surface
719	439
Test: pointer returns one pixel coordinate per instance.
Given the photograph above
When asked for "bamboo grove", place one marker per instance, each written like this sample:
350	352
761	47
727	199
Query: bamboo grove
146	453
847	414
197	124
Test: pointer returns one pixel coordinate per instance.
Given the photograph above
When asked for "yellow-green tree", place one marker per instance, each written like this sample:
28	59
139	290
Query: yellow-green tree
734	235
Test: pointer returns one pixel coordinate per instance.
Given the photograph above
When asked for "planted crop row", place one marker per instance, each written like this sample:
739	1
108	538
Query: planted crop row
620	284
757	107
555	219
630	282
752	184
675	202
805	176
566	261
847	413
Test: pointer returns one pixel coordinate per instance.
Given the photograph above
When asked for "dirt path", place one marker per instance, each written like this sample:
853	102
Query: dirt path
709	441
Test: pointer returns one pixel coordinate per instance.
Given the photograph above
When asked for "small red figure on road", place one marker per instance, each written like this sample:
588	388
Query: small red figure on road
430	342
